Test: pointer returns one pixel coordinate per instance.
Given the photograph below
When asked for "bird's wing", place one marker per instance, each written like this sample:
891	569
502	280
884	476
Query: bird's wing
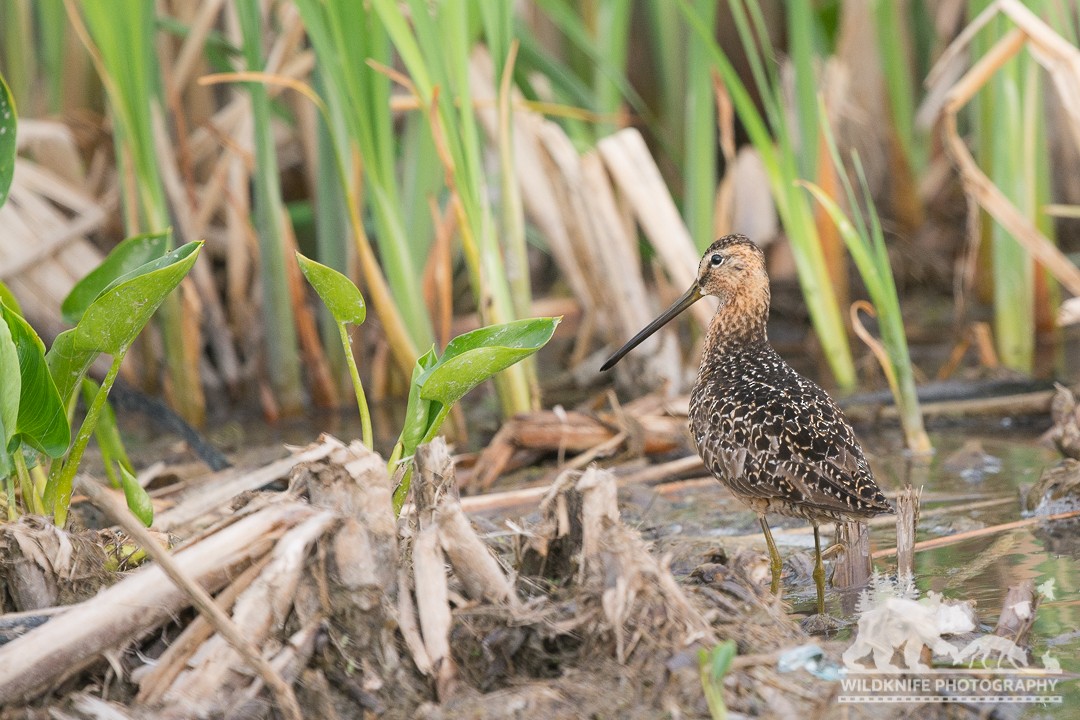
790	443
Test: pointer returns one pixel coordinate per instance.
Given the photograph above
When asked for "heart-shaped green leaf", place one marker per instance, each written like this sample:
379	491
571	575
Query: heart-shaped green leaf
419	412
138	501
475	356
7	140
41	421
438	383
67	364
341	297
129	255
119	314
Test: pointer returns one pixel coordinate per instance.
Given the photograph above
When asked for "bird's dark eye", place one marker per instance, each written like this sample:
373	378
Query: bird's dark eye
716	260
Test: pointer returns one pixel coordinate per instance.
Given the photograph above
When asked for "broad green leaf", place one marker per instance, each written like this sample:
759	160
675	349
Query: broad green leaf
469	360
111	323
475	356
338	293
418	412
126	257
7	140
8	298
67	364
10	384
138	501
41	421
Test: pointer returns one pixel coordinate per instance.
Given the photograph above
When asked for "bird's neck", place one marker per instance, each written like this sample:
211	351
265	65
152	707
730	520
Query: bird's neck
739	323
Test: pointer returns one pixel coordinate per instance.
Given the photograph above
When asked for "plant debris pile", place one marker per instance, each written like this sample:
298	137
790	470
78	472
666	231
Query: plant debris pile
357	612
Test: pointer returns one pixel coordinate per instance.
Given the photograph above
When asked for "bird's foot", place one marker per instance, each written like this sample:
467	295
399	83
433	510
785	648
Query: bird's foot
820	624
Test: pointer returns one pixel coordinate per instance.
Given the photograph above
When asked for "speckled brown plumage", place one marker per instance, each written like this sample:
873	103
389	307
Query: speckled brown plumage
772	436
776	439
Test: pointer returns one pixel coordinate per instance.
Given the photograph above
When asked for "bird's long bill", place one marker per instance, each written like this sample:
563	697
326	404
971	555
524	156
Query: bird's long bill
690	297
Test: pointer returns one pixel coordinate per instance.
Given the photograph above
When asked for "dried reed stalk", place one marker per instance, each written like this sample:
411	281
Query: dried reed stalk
259	613
37	661
158	677
1062	60
981	532
635	174
217	490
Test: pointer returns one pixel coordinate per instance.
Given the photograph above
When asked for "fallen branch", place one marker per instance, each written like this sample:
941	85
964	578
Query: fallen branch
200	598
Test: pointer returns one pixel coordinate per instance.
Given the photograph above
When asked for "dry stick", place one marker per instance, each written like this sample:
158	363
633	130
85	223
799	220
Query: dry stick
981	532
522	496
433	606
880	521
1033	403
602	450
1018	612
674	467
219	489
191	51
201	599
407	623
154	684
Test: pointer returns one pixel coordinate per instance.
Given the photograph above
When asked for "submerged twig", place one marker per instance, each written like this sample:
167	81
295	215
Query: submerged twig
981	532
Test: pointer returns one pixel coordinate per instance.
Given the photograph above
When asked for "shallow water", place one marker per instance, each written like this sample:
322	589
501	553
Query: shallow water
694	522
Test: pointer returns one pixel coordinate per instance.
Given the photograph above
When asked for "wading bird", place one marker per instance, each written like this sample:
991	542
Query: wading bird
774	438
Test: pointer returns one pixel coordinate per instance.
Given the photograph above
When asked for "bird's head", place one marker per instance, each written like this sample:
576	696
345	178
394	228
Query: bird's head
732	269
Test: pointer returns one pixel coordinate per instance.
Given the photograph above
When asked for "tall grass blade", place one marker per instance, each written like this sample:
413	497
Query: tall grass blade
801	38
282	353
612	32
8	123
669	42
772	138
346	35
1013	151
122	46
435	50
897	66
700	134
332	232
17	30
866	243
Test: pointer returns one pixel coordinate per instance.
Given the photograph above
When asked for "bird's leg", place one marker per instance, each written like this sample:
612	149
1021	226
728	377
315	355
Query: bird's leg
774	556
819	573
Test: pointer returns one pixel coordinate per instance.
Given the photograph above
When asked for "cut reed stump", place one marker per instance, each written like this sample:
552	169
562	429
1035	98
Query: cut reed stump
853	566
907	525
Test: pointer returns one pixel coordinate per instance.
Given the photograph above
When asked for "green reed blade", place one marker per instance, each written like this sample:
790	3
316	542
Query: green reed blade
773	140
282	349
